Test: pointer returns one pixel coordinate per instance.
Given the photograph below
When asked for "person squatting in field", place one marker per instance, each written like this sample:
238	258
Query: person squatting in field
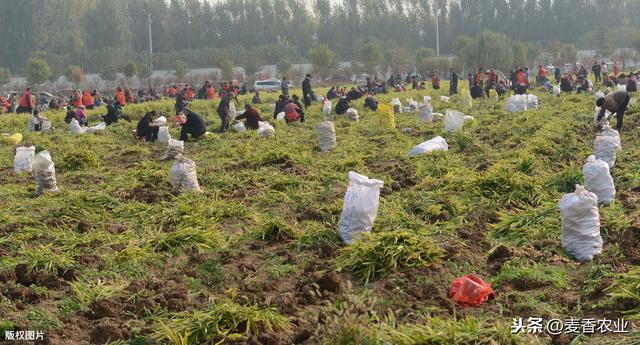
146	129
193	125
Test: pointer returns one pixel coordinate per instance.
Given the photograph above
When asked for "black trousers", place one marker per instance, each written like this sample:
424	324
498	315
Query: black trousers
620	112
195	133
151	134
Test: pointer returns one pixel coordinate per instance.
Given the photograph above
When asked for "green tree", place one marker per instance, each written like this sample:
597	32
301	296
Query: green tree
5	76
75	74
568	53
284	66
181	69
519	54
130	69
144	71
252	65
109	73
37	71
322	59
489	50
370	55
398	59
602	42
425	53
226	66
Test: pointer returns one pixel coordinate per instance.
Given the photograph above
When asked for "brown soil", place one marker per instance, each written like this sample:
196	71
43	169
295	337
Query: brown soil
108	330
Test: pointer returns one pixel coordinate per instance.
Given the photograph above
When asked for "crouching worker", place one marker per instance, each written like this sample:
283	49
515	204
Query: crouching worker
114	111
36	121
194	125
342	106
615	102
291	112
252	117
146	129
371	103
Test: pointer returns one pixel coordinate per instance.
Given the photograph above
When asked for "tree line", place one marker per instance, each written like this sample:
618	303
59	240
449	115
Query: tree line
103	35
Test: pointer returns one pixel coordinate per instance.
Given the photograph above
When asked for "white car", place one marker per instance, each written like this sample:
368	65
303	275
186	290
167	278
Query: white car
267	85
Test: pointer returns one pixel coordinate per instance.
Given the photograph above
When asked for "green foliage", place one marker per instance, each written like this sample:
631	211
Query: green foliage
467	331
210	272
180	69
226	65
38	71
489	49
40	319
130	69
525	274
274	230
519	54
322	59
74	160
284	66
252	65
5	76
74	73
222	320
370	55
379	254
44	258
90	290
144	71
520	226
108	72
626	287
188	238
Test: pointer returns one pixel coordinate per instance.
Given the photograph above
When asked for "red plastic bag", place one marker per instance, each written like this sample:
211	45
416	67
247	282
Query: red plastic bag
471	290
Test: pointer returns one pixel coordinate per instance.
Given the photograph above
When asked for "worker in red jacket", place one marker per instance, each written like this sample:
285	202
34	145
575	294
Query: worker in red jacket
87	100
252	117
211	92
120	99
27	102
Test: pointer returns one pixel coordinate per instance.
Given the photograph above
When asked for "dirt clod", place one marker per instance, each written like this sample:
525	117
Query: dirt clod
300	336
501	252
108	331
330	281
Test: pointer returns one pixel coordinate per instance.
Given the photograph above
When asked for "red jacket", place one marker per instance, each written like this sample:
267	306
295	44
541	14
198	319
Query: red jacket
26	100
87	99
521	78
189	94
120	98
291	112
211	93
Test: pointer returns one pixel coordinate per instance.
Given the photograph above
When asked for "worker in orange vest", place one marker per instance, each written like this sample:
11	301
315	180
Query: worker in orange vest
120	99
521	82
27	102
87	100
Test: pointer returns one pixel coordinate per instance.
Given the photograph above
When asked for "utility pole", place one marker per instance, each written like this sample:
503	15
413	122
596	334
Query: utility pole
146	6
437	33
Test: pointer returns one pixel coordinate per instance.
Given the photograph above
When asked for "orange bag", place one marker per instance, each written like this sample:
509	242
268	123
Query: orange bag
471	290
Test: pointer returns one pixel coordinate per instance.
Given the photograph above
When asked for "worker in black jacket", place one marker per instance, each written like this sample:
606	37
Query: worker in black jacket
194	125
307	93
146	129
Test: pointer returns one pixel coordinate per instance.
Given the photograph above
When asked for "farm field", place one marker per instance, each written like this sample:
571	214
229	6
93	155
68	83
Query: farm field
115	256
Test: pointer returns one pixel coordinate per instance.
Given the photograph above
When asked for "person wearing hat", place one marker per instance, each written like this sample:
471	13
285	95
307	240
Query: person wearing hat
81	116
146	129
615	102
307	93
194	125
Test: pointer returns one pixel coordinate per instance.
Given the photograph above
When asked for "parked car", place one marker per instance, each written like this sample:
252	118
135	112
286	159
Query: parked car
267	85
